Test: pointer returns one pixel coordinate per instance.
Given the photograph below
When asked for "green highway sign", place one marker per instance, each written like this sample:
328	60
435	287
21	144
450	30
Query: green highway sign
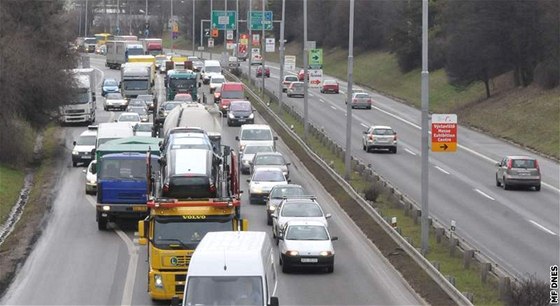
256	20
316	58
223	21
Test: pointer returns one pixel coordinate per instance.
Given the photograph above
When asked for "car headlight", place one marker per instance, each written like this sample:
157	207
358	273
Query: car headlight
74	152
231	116
92	181
245	162
251	116
325	253
158	281
272	208
292	253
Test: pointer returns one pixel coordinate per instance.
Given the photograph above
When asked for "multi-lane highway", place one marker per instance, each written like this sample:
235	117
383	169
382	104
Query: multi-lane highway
75	264
517	229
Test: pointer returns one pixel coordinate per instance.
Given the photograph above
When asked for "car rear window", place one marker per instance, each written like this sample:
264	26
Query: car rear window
301	210
523	163
292	79
269	176
383	132
362	96
255	149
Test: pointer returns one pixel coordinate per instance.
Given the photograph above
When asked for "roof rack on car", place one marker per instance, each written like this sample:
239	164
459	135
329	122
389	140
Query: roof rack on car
312	197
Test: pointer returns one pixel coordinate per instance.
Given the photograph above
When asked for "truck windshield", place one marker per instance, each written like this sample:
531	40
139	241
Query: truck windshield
135	51
224	290
81	96
86	140
188	229
134	169
90	41
135	84
182	83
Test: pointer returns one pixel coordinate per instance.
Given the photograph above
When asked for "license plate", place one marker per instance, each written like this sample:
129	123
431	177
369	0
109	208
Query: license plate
139	208
309	260
241	120
523	173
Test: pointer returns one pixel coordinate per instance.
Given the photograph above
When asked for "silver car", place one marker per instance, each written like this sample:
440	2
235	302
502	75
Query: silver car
249	152
270	160
518	171
114	100
296	89
262	181
360	100
279	193
296	209
379	137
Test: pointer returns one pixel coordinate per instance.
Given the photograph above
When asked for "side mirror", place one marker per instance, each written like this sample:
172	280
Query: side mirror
497	164
327	216
280	237
237	138
116	120
289	181
199	84
93	151
287	164
74	142
84	171
275	138
334	238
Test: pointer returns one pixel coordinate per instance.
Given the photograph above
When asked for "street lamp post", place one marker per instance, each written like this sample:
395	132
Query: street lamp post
425	131
263	44
305	77
172	24
281	51
86	25
193	24
348	154
250	23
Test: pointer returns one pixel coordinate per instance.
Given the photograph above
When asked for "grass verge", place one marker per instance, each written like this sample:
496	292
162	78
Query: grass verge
19	244
11	182
466	279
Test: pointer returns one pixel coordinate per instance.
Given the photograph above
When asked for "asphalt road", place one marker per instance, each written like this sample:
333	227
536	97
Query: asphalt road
75	264
517	229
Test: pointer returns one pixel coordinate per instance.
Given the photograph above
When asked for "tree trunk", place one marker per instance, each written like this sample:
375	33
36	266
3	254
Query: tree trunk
487	85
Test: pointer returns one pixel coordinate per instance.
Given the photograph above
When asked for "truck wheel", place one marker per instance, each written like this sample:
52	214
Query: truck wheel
101	222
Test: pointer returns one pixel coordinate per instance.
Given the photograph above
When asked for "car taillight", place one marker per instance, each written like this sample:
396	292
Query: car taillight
371	137
537	165
212	188
395	137
369	101
509	164
166	188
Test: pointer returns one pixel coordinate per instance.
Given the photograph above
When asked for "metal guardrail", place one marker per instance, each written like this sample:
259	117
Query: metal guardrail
440	279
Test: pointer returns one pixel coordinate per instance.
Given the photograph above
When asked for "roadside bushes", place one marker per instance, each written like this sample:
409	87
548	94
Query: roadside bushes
17	139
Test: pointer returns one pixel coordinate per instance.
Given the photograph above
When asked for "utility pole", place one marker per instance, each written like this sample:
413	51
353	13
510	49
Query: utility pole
280	95
305	78
425	108
172	25
236	25
263	44
348	155
86	25
193	23
249	23
211	9
225	26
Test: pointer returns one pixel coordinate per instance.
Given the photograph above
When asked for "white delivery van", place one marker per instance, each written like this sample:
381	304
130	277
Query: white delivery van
113	130
211	67
232	268
256	134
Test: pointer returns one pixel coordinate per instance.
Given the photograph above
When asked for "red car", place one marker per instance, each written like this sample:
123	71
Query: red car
266	72
300	75
329	86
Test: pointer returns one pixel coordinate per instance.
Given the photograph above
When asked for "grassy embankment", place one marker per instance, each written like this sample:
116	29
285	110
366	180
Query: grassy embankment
11	182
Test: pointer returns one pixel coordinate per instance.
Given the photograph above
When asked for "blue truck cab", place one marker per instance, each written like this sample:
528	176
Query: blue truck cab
122	178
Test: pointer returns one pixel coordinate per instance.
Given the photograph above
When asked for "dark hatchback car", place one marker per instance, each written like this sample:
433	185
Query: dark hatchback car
240	112
189	174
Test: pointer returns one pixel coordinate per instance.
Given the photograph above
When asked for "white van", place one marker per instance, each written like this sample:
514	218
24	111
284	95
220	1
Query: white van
256	134
232	268
113	130
211	67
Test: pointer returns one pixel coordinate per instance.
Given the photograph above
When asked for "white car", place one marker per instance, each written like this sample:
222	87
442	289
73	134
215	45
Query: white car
306	244
215	81
91	177
131	118
114	100
143	129
249	152
296	209
379	137
262	181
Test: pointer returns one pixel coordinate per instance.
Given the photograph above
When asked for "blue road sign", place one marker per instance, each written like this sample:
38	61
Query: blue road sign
256	20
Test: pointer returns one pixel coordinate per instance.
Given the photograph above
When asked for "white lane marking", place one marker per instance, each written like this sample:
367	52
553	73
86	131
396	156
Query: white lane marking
484	194
409	151
101	78
322	101
543	228
364	125
333	107
132	262
310	94
441	169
